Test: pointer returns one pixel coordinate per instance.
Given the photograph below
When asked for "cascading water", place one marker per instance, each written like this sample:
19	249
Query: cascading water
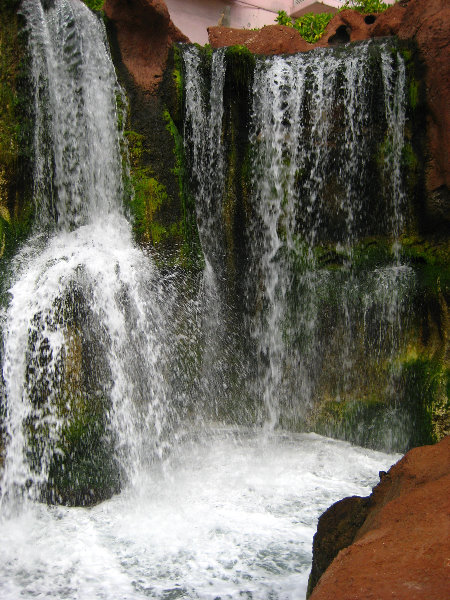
222	360
83	327
313	179
89	372
326	140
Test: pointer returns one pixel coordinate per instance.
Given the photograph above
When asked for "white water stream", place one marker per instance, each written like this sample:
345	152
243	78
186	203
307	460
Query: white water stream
232	515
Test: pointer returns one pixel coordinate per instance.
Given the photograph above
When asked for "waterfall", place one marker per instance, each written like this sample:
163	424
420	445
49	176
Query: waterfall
326	138
84	327
222	365
312	177
123	390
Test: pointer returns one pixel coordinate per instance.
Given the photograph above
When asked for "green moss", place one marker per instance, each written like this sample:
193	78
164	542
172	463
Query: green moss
427	387
430	259
177	77
75	443
190	254
240	66
95	5
9	125
16	209
149	197
409	158
413	93
83	471
365	421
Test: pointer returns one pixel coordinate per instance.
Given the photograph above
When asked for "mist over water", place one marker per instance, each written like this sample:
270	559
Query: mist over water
230	515
200	508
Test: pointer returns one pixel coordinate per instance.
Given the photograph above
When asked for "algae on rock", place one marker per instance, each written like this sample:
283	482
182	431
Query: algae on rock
16	208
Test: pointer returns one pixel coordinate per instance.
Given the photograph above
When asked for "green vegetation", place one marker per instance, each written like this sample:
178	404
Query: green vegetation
83	470
15	208
366	6
427	395
9	123
189	250
95	5
148	195
178	83
310	26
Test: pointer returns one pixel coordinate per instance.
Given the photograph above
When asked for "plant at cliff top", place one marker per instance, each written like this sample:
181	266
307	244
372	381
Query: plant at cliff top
366	6
310	26
96	5
284	19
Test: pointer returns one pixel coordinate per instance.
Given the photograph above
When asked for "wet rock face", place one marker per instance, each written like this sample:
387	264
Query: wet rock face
428	23
401	549
336	530
144	33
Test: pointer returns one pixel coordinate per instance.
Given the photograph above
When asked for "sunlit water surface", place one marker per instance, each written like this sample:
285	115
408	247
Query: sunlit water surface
229	515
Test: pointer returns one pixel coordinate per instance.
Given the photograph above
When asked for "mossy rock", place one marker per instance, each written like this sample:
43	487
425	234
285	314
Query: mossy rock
370	422
427	395
16	206
68	430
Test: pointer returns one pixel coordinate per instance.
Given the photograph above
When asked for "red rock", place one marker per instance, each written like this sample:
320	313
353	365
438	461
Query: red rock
346	26
278	39
402	549
220	37
144	34
389	22
271	39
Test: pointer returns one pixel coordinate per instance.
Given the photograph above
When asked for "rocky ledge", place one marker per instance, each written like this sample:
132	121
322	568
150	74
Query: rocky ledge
424	22
393	544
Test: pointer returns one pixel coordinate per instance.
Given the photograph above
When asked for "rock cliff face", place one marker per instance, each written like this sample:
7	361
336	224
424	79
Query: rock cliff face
401	549
145	33
427	24
141	35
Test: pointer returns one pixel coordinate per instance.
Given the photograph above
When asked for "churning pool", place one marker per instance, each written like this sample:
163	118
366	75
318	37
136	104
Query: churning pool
231	514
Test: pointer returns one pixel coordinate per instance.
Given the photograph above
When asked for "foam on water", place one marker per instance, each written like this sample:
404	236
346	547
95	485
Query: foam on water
232	515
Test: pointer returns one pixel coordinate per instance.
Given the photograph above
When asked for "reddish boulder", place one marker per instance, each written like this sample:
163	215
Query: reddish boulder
336	530
144	35
402	549
388	23
346	26
278	39
271	39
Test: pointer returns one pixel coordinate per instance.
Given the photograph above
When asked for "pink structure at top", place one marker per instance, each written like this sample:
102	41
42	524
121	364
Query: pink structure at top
194	16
